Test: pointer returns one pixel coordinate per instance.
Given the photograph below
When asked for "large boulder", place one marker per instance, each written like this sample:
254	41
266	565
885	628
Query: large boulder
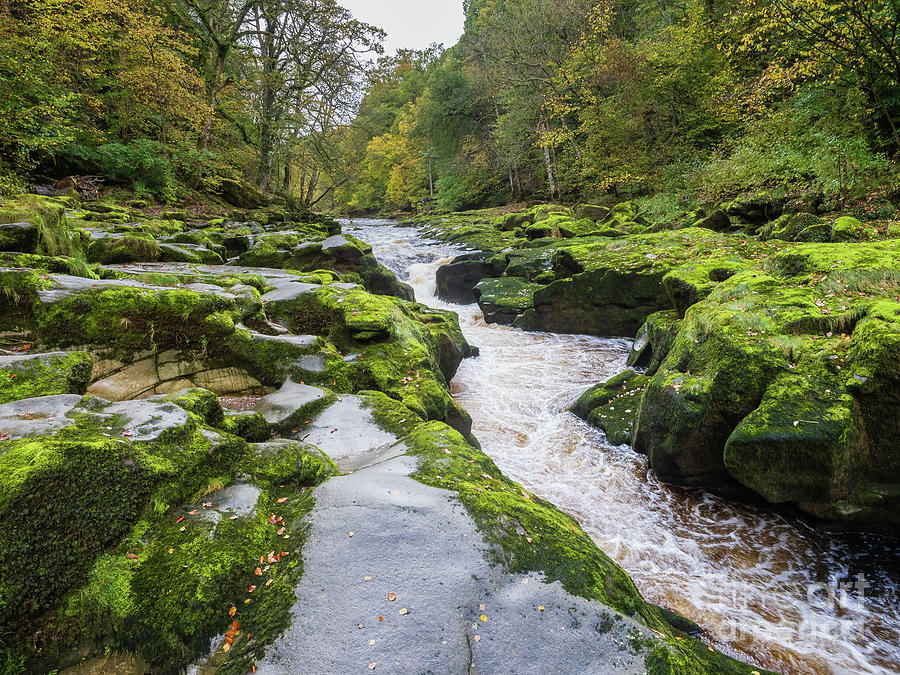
456	281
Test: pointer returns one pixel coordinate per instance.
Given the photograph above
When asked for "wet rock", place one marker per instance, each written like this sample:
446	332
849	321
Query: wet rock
37	416
613	406
457	280
717	221
291	406
505	299
20	237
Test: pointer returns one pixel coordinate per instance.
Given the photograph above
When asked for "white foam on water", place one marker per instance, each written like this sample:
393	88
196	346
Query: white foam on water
746	573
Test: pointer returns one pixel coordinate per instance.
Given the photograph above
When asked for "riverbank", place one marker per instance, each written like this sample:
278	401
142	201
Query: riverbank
143	518
770	361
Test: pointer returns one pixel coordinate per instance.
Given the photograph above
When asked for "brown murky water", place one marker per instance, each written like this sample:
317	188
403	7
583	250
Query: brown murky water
764	585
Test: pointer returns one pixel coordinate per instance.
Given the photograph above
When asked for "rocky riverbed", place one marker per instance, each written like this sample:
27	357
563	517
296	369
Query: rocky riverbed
337	514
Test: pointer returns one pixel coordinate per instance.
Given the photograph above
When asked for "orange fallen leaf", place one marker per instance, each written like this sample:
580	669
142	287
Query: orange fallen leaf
235	625
258	571
171	551
391	597
282	500
247	601
232	611
381	618
251	589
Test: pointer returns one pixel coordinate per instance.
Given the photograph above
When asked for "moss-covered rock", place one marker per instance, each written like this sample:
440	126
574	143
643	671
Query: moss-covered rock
110	250
456	281
847	228
783	382
654	341
505	299
34	375
47	232
613	406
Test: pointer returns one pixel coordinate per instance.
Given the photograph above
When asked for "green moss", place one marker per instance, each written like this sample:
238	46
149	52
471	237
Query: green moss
48	216
133	318
66	499
251	426
613	406
45	375
504	299
117	250
200	402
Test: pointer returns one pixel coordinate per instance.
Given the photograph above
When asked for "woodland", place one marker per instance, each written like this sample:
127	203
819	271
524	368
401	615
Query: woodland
677	104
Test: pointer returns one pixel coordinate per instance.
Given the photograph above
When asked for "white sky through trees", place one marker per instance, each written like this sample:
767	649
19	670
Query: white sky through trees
411	24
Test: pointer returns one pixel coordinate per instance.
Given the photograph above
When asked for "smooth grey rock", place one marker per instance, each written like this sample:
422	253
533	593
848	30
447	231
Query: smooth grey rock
290	291
37	416
285	407
419	543
144	420
312	363
297	340
346	431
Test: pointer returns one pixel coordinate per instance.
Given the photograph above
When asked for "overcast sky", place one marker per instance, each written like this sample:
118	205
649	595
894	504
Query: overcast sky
412	24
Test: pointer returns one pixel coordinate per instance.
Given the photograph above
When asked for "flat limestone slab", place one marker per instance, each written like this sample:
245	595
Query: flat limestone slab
346	432
420	544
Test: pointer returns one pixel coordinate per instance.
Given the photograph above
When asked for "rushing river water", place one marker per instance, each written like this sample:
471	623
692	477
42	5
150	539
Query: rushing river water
765	586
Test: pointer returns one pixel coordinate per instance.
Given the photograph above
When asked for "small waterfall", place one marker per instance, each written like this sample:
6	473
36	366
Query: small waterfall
765	586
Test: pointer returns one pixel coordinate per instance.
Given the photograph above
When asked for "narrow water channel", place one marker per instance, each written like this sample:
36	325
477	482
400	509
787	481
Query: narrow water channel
763	585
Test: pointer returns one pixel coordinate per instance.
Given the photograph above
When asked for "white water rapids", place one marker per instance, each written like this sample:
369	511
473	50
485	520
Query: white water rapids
763	585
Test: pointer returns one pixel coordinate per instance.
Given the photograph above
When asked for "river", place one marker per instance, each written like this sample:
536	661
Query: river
764	585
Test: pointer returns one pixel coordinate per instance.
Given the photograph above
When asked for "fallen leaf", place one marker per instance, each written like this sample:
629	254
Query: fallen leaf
541	608
482	607
403	612
180	520
381	618
371	643
372	665
131	556
391	597
258	571
361	626
235	625
477	638
529	539
247	601
270	582
182	529
280	532
282	500
484	617
232	611
192	513
367	578
251	589
711	649
171	551
350	534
